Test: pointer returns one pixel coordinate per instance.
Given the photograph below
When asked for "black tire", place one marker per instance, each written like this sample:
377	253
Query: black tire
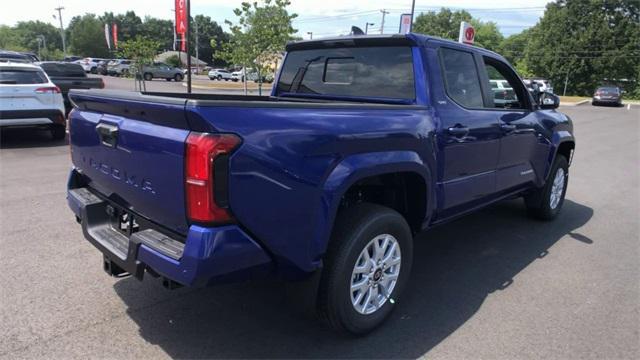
58	132
94	70
539	202
354	229
148	76
178	78
219	78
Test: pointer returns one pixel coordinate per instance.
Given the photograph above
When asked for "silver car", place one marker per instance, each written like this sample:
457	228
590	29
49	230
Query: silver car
162	70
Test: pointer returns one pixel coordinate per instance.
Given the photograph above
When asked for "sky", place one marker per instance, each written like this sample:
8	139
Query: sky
321	17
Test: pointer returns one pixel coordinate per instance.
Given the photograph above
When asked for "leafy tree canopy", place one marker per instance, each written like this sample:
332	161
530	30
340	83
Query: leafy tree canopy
87	36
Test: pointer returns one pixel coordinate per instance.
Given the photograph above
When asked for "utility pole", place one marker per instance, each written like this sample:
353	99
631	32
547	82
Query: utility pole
384	13
187	47
64	45
366	27
413	8
195	23
310	33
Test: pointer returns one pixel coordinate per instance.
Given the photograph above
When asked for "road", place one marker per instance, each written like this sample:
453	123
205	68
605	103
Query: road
493	285
200	83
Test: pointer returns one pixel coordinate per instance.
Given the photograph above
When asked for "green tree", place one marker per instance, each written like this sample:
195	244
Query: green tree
160	30
260	34
174	61
86	36
446	24
210	39
24	37
142	51
587	43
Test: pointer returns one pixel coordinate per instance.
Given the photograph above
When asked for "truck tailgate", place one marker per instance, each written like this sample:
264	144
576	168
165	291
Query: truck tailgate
133	153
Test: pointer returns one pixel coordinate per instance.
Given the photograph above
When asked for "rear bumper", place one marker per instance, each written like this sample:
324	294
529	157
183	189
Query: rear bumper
204	257
31	117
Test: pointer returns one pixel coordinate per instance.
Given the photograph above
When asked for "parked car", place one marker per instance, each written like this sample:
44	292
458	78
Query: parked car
102	67
253	76
610	95
14	57
162	70
219	74
67	76
327	180
119	67
543	84
28	98
503	94
237	75
72	58
90	64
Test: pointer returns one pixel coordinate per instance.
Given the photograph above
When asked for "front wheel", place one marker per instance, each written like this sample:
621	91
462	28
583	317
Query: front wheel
178	77
545	203
366	268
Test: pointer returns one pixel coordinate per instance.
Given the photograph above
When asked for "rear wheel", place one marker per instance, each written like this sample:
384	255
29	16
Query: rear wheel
58	132
545	203
366	268
148	76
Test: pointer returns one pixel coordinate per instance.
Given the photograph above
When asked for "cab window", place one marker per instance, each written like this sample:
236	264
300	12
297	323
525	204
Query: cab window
462	82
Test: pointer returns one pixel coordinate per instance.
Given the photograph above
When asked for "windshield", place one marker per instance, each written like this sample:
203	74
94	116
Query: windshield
374	72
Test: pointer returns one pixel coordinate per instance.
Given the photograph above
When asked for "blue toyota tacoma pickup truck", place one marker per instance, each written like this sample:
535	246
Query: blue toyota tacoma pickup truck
364	142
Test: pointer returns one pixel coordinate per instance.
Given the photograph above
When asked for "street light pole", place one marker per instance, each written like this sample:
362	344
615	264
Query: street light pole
384	12
64	45
413	8
366	27
310	33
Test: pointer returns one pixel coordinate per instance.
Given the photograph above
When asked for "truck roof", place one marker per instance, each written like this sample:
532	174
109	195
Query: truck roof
410	39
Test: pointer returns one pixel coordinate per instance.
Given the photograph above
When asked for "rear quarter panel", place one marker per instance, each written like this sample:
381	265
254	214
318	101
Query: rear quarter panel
279	188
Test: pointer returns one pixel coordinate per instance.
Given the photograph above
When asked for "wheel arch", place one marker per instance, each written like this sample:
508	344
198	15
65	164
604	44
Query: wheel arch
356	169
563	144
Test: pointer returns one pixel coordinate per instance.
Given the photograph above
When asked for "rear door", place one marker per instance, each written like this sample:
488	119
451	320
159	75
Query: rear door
468	135
131	148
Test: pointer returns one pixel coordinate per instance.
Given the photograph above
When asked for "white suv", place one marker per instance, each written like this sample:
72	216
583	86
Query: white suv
28	98
90	64
219	74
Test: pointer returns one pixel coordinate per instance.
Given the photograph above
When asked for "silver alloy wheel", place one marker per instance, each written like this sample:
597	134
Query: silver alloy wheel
375	274
556	189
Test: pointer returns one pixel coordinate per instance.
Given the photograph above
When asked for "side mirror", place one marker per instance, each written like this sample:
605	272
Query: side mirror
549	101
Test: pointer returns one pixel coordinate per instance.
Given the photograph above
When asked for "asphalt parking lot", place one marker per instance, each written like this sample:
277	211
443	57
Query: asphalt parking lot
494	284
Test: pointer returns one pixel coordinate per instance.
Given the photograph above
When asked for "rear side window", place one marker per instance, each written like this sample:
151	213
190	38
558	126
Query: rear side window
461	77
13	76
381	72
63	69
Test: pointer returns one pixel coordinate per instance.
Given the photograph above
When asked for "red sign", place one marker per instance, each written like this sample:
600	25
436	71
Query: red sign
467	33
181	16
115	35
183	44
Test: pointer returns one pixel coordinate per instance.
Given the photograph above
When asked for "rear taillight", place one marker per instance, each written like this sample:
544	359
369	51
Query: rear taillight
203	172
48	90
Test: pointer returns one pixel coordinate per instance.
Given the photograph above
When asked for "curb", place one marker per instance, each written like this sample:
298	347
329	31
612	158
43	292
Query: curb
582	102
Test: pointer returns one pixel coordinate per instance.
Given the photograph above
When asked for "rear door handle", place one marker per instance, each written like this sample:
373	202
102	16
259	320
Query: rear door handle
458	131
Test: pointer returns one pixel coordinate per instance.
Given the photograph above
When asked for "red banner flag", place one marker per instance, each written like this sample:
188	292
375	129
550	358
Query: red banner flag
181	16
115	35
183	43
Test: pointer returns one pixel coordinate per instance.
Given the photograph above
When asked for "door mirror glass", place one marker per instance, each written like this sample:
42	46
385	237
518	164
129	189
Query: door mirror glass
548	100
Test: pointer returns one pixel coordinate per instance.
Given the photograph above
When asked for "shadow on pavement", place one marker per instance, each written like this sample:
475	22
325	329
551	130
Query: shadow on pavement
456	267
28	138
